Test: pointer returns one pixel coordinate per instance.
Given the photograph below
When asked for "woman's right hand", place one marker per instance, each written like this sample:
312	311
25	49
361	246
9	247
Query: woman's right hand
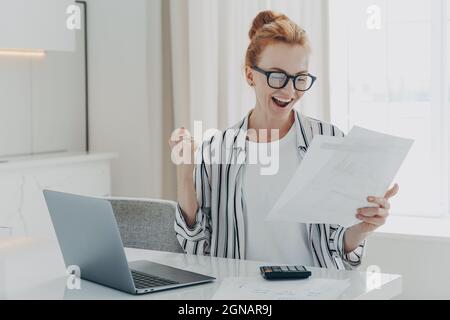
180	141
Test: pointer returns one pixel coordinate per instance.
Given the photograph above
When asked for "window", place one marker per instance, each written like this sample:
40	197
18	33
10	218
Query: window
390	66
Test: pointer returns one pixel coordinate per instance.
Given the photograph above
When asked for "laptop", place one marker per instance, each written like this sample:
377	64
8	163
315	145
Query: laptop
89	238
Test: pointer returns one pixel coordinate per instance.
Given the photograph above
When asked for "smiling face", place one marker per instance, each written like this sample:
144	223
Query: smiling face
291	59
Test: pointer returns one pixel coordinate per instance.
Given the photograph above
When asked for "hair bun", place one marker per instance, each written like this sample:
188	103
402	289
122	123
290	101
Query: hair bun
263	18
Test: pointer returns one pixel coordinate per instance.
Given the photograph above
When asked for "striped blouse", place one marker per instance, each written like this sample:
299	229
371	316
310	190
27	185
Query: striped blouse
219	227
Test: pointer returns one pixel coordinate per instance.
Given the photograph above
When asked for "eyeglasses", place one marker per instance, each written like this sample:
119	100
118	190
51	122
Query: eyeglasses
278	79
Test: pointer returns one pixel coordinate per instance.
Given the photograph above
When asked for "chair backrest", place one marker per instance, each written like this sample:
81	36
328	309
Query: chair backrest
146	223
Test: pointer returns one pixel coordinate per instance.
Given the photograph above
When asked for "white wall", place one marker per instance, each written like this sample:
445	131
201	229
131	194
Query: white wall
124	107
31	24
423	262
42	99
42	104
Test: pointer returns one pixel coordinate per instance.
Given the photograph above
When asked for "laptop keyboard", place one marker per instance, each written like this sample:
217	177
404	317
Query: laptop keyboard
143	280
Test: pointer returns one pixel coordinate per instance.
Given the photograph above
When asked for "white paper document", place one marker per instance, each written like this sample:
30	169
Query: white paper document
337	175
235	288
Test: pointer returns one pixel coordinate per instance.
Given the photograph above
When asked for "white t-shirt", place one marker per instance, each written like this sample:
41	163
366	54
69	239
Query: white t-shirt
277	242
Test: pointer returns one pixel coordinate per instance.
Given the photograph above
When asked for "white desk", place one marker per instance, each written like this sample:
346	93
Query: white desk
34	269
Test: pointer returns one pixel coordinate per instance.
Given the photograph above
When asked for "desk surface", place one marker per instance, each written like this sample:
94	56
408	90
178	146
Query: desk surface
34	269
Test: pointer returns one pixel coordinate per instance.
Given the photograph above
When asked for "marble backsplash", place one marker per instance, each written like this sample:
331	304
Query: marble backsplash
23	211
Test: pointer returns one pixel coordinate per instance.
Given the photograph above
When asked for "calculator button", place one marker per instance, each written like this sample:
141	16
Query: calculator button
291	268
283	268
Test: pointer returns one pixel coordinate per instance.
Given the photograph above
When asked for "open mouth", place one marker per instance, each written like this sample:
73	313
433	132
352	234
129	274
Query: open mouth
282	103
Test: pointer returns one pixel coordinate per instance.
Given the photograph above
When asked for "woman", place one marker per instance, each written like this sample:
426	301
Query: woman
222	206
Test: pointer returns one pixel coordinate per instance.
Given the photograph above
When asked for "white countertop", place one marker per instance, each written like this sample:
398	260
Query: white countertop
34	269
52	159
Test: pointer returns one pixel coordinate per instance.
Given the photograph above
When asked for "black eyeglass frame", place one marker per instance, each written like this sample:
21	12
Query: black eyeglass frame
288	77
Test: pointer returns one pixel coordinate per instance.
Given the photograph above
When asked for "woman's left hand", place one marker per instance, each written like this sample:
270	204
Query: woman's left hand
374	217
371	217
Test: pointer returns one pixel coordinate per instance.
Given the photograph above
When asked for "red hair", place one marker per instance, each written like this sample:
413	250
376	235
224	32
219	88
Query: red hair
269	27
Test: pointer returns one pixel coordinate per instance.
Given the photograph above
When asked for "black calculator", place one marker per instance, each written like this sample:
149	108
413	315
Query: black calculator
284	272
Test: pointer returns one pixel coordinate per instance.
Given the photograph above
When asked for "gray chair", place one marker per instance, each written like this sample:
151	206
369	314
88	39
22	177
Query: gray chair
146	223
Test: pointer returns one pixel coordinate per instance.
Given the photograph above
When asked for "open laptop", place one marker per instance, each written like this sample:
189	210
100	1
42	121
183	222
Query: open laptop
89	238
